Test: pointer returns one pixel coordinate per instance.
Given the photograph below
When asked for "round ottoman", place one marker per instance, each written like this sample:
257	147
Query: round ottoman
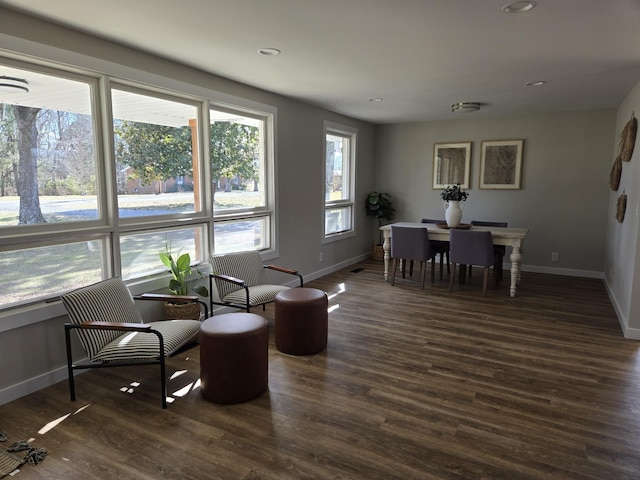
301	321
234	357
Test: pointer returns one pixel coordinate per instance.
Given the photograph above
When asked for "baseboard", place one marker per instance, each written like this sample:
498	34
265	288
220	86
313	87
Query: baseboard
569	272
336	267
31	385
627	332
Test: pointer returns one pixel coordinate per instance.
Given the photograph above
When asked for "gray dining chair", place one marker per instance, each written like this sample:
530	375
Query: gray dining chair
439	247
468	247
500	250
411	244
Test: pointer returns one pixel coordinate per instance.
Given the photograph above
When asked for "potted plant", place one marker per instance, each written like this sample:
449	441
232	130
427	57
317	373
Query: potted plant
378	205
453	195
181	284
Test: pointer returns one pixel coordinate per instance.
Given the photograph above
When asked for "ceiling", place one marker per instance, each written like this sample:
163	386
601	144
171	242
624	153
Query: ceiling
419	56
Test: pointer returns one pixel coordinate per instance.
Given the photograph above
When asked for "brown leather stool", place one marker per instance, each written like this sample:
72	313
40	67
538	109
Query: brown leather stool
234	357
301	321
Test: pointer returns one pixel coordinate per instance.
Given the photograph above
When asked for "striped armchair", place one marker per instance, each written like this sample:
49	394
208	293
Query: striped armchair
240	280
112	334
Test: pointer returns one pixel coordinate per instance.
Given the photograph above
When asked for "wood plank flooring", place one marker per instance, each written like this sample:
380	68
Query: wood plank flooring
414	385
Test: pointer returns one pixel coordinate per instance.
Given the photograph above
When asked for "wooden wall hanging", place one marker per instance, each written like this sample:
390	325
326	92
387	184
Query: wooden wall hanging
616	173
628	139
622	207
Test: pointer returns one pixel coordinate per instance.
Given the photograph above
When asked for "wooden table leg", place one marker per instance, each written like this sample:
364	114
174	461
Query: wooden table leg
386	248
516	259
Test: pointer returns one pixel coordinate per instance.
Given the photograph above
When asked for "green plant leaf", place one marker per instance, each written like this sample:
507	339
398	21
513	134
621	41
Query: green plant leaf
184	263
166	259
202	291
175	286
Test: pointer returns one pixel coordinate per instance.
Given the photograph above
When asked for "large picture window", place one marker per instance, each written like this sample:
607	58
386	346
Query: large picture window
339	163
78	205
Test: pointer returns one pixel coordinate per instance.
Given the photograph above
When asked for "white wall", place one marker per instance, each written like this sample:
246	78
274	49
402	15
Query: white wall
622	263
564	196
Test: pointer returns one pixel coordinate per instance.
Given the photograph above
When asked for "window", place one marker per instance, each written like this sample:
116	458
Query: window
154	141
78	205
48	167
242	199
339	163
50	217
157	178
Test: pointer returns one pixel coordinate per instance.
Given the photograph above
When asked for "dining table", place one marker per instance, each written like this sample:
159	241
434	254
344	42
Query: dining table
509	237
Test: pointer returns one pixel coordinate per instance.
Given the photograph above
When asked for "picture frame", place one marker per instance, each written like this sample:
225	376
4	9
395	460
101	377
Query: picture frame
501	164
451	164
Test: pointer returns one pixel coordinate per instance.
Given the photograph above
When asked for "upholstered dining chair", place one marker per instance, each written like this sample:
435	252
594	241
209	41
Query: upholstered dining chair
500	250
411	244
468	247
112	334
240	280
439	247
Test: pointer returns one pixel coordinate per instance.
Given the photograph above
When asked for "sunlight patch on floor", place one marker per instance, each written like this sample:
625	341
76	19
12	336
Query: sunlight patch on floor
341	289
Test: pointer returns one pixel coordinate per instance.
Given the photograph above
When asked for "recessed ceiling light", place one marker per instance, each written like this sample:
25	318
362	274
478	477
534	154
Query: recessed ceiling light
465	107
375	99
518	7
537	83
13	83
269	51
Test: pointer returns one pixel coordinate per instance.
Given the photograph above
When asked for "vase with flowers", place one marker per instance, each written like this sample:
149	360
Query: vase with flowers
454	196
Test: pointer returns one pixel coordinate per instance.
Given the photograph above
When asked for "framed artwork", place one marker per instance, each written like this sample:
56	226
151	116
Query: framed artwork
451	164
501	164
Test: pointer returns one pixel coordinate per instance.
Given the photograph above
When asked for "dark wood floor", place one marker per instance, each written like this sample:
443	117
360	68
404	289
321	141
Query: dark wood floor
414	385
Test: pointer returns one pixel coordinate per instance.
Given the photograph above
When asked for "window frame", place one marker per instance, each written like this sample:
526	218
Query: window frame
351	135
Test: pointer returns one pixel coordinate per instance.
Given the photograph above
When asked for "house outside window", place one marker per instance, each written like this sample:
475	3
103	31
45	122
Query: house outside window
339	181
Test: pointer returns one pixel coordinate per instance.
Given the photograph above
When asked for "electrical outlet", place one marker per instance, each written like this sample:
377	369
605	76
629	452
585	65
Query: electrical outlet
320	257
554	257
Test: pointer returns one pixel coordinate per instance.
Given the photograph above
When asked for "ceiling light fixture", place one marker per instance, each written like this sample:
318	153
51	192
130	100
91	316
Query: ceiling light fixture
375	99
537	83
465	107
13	83
518	7
270	52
